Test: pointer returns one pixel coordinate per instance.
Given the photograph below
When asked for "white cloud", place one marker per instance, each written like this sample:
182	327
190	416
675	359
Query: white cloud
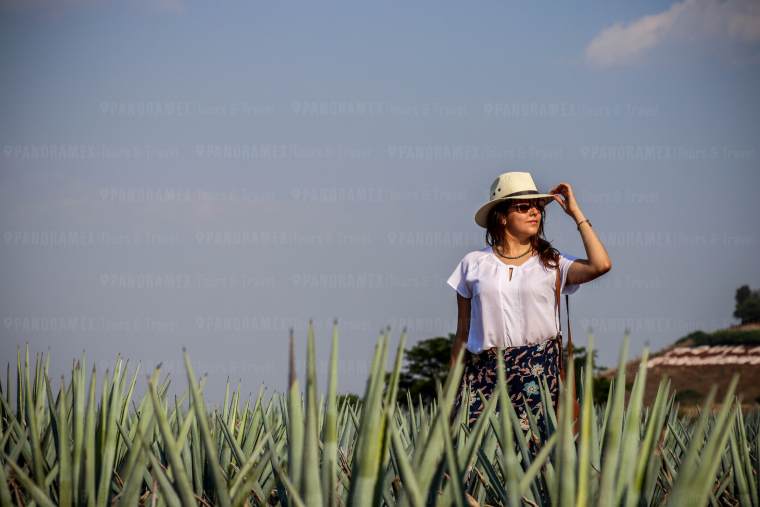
730	20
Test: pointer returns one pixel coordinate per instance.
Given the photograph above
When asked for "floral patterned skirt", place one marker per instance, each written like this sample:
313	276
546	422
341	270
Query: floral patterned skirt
524	365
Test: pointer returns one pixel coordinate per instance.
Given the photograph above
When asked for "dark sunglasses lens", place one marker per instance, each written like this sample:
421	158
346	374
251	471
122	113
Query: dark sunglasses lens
524	207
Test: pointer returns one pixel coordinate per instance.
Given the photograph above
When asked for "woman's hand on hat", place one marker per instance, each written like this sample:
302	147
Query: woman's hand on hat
567	199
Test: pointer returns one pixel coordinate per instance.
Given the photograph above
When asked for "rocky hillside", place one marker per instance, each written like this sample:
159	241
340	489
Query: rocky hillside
699	360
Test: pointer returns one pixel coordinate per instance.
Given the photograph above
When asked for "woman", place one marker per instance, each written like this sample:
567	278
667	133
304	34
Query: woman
506	293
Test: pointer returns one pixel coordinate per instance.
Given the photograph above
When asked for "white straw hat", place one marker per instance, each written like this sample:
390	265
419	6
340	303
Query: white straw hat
511	185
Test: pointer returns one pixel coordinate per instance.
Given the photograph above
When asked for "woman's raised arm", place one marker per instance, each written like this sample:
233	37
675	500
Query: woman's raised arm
598	261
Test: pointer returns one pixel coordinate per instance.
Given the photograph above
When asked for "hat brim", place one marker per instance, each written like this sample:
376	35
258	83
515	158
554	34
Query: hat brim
481	216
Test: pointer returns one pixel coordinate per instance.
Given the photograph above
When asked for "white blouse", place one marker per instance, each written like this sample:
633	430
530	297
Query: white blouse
504	312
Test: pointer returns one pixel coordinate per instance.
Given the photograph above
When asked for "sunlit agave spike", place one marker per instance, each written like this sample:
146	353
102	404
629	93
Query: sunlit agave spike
607	408
256	414
427	456
595	445
120	371
389	404
221	492
695	477
405	414
365	466
330	428
692	440
169	496
128	397
510	467
550	420
196	445
487	457
585	438
78	422
229	442
181	482
744	454
311	489
234	409
320	413
468	453
241	435
455	471
648	459
412	415
38	471
411	493
89	442
20	393
565	487
136	466
246	480
295	421
184	424
454	378
742	484
630	442
522	439
63	451
612	434
110	434
392	392
225	403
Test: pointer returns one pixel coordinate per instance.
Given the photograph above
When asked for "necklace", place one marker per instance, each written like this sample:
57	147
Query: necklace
517	257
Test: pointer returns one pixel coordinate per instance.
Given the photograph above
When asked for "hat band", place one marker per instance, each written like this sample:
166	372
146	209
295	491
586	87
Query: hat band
521	192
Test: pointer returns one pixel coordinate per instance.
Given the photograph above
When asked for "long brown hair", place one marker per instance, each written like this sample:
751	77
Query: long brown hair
547	254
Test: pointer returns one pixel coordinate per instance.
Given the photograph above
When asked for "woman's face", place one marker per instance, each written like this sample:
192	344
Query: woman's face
524	217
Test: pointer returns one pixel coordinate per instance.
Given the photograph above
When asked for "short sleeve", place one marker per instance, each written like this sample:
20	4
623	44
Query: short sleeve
564	266
458	279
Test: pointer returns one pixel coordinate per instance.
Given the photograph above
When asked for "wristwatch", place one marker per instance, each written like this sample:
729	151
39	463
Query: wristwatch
586	220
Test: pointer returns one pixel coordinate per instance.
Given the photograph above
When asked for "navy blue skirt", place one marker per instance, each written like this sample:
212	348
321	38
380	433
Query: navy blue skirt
524	365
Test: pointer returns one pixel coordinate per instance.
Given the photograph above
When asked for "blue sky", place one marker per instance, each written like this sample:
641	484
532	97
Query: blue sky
176	174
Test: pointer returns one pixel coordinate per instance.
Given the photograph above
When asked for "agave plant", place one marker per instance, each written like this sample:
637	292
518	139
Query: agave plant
68	446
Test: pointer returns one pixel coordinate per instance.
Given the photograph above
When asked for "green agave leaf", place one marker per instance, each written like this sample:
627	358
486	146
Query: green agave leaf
170	445
612	432
330	428
212	462
311	488
630	442
365	468
295	422
586	438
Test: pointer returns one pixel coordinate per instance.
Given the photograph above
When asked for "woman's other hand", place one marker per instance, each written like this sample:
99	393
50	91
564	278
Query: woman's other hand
567	199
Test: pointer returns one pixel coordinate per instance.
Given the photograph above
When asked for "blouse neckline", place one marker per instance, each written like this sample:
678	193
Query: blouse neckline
497	259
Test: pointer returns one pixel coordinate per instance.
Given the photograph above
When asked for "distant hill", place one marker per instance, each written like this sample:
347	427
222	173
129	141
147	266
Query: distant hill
700	359
748	334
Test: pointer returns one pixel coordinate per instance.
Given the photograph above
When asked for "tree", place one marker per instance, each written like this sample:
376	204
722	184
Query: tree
352	398
425	361
747	305
601	385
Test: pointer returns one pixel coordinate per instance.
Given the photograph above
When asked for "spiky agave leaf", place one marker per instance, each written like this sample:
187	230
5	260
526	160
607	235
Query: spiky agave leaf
311	489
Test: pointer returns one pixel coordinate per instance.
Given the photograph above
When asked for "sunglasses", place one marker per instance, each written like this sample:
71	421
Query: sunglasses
524	207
